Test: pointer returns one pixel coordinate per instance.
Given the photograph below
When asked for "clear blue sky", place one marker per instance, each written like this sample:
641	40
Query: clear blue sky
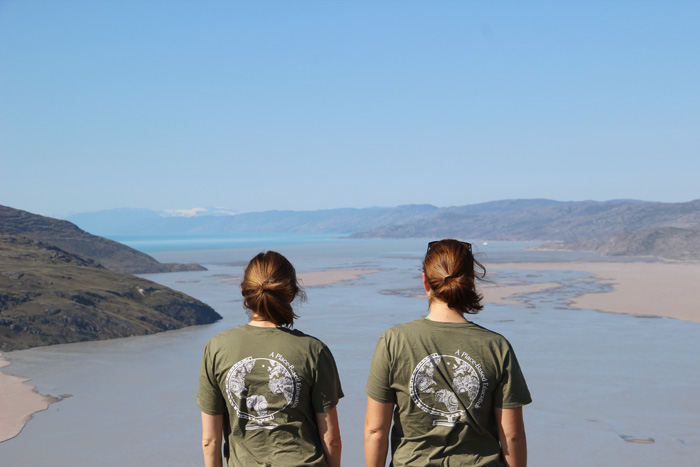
258	105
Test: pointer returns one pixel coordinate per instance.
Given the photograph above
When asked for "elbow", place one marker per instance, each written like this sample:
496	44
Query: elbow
516	438
333	441
375	436
210	444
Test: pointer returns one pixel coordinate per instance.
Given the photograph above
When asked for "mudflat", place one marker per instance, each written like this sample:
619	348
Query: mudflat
642	289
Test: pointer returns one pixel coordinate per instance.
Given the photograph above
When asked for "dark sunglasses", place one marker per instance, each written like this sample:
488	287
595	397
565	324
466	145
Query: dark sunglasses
433	243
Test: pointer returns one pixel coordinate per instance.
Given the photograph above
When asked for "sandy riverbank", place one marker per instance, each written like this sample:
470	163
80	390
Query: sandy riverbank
332	276
641	289
501	294
18	401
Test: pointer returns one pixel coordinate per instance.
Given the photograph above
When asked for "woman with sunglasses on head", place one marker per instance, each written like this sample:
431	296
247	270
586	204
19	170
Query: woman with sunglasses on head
454	388
269	391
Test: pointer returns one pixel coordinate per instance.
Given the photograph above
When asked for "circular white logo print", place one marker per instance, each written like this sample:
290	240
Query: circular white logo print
446	386
259	388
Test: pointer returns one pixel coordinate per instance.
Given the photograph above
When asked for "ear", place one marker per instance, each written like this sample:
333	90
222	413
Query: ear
426	286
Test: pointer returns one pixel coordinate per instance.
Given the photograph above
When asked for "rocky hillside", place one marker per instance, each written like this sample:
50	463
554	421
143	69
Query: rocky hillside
562	221
665	242
69	237
51	296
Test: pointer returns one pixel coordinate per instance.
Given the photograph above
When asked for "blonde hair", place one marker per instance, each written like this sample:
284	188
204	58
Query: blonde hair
450	269
270	286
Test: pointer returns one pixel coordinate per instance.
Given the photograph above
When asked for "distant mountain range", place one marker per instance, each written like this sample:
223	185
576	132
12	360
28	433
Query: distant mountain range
610	227
544	220
198	212
345	220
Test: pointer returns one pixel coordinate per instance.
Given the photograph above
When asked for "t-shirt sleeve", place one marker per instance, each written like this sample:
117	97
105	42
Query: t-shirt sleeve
327	390
379	381
209	397
512	390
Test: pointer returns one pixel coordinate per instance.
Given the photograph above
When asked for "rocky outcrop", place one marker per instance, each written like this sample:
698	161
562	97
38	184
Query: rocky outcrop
52	296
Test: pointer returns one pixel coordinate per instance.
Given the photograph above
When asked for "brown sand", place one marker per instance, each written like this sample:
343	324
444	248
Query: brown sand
332	276
500	294
642	289
18	402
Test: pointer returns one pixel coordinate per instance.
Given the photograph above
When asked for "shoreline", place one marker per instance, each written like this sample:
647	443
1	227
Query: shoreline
659	289
18	402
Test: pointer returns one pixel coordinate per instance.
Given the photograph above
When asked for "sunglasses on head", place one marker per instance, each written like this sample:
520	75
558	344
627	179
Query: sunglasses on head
433	243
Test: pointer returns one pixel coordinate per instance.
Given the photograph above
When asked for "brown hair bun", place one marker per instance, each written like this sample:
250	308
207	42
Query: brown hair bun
449	268
270	286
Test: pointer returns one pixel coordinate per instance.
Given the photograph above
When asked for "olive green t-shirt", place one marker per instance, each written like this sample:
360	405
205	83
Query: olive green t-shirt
445	380
269	383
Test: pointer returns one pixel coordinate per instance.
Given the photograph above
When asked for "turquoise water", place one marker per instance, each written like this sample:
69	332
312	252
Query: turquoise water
595	377
161	243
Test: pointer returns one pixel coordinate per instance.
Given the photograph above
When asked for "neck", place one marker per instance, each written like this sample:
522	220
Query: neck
439	311
261	323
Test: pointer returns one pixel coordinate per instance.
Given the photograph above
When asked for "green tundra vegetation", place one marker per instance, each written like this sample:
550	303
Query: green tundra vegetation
52	296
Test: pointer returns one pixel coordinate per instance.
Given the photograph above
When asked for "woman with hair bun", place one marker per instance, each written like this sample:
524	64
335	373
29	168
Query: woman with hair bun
269	391
454	388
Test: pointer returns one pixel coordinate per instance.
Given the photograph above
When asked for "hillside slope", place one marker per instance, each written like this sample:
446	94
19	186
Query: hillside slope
50	296
664	242
570	221
69	237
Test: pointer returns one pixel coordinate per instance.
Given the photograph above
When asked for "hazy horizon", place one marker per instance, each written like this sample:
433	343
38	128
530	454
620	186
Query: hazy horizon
175	212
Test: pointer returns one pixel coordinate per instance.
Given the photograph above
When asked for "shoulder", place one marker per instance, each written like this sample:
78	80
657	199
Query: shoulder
407	327
489	335
219	340
300	339
402	330
227	334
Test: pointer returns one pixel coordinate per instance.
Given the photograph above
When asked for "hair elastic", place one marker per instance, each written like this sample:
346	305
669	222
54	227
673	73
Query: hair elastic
452	277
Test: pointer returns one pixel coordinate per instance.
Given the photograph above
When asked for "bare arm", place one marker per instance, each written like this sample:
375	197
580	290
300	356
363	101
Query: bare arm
212	432
511	432
377	426
329	431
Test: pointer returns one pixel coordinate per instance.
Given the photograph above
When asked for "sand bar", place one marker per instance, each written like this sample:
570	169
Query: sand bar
332	276
18	401
502	294
642	289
